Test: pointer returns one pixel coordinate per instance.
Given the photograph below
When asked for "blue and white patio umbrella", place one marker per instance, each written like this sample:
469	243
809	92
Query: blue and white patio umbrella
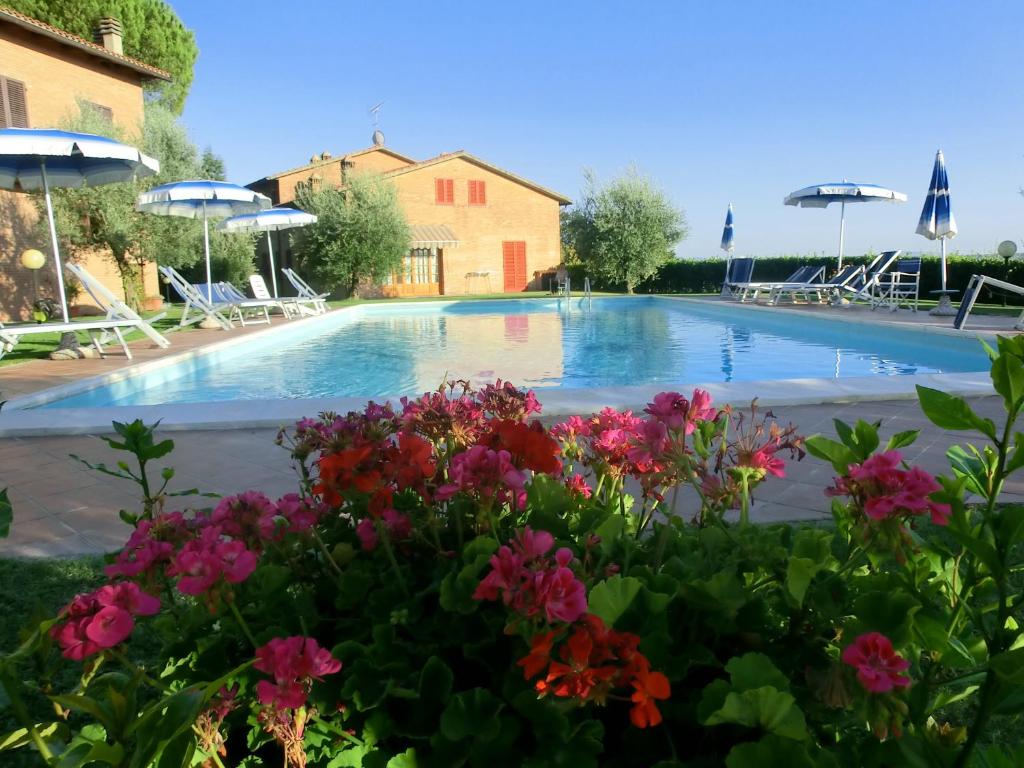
271	220
43	158
822	195
727	246
937	222
201	199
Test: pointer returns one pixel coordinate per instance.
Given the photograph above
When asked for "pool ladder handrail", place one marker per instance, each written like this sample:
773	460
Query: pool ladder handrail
586	291
568	290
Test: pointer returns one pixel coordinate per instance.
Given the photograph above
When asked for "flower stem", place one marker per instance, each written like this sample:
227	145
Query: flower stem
138	670
386	540
241	622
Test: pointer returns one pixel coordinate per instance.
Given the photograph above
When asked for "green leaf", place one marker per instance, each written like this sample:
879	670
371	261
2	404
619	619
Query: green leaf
889	612
769	752
902	439
767	708
20	737
405	760
836	454
1009	666
435	683
6	514
1008	378
867	438
952	412
755	670
800	571
610	598
472	713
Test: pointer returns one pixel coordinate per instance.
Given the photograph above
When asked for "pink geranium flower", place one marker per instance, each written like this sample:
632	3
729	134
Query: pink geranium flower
879	667
293	663
110	626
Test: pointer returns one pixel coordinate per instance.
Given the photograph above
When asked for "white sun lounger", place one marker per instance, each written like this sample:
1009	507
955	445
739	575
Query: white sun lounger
303	289
196	303
865	286
292	306
752	290
119	318
974	287
822	291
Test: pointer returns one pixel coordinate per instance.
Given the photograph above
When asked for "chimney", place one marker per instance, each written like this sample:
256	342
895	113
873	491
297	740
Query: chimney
108	34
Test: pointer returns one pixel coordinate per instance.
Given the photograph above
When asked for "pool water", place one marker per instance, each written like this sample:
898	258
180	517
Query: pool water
378	350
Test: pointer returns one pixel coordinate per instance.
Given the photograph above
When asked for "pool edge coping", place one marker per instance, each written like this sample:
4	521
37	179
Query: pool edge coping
23	420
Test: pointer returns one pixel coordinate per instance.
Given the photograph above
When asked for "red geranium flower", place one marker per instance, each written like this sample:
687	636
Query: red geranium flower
878	665
649	688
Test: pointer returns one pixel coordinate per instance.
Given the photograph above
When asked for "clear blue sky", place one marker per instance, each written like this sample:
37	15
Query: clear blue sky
738	102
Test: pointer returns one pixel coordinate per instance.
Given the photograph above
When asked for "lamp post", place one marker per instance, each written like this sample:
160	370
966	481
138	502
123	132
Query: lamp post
33	260
1007	249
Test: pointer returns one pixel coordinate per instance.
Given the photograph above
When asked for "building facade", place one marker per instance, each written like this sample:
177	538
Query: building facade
476	228
45	75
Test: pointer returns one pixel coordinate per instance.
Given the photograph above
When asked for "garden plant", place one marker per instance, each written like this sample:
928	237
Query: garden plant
454	583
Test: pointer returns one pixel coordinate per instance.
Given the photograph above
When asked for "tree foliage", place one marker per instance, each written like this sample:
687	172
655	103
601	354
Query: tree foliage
625	230
361	232
105	218
153	33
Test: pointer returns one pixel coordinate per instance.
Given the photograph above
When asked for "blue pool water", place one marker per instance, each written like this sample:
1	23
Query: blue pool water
401	349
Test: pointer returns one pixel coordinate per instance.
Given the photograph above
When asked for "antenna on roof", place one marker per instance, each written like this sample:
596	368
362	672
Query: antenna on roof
378	137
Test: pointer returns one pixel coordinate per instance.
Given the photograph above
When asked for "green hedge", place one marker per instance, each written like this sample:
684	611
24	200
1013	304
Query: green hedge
705	276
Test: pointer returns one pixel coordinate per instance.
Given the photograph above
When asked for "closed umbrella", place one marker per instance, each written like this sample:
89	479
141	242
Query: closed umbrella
727	247
822	195
272	220
201	199
937	223
43	158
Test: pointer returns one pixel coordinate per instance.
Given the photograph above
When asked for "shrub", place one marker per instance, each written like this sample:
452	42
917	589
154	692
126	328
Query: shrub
455	584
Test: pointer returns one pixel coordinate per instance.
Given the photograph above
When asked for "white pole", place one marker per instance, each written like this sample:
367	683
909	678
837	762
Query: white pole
842	232
273	274
943	243
206	243
53	239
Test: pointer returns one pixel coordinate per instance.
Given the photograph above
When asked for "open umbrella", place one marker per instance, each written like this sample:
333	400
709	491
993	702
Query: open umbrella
272	220
41	158
822	195
937	223
201	199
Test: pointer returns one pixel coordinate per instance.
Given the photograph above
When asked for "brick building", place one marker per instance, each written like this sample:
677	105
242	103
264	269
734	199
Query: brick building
45	73
476	227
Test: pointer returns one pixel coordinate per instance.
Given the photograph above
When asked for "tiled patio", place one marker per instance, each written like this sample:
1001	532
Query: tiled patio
61	508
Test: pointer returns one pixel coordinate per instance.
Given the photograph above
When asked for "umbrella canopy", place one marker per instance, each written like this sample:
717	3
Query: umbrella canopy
937	222
271	220
727	231
41	158
203	199
822	195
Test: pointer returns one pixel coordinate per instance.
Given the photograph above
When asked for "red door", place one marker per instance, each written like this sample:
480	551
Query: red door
513	253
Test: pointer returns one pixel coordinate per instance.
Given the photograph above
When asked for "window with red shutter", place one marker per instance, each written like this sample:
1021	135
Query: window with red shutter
477	193
444	191
513	256
13	105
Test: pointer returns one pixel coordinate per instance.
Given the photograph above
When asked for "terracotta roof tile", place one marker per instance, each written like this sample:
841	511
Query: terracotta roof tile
34	25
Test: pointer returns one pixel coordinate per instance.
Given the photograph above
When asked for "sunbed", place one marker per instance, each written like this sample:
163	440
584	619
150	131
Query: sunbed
304	291
240	307
971	295
864	286
899	287
197	306
292	306
822	291
119	318
737	273
751	291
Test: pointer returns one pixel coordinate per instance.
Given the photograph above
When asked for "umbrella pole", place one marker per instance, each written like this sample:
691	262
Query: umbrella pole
53	239
942	243
842	232
273	274
206	243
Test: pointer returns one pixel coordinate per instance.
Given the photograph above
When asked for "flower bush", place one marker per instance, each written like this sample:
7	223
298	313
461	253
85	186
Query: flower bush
455	583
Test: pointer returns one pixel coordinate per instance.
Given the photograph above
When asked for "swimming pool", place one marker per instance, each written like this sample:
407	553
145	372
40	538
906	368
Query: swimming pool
372	351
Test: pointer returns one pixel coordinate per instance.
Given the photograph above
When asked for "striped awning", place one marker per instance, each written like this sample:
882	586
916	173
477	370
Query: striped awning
432	235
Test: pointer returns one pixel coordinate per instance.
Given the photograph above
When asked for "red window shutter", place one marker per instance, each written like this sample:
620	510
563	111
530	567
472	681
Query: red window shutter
438	190
513	253
481	193
449	190
444	191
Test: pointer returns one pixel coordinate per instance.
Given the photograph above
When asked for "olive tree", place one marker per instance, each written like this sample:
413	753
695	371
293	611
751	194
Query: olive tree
361	232
625	230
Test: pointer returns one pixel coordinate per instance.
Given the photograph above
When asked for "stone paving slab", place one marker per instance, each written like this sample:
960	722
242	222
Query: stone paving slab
62	509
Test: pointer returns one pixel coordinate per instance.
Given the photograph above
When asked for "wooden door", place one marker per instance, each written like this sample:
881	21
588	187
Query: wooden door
513	253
